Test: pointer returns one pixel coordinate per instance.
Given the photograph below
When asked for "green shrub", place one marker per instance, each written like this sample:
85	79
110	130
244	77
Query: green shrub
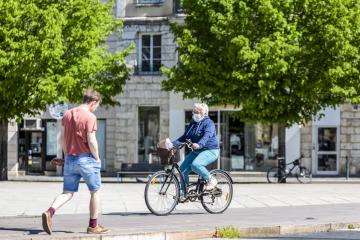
227	232
351	226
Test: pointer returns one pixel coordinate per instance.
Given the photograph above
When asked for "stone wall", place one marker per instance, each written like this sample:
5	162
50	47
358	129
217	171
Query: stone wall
12	162
350	138
349	141
306	145
140	90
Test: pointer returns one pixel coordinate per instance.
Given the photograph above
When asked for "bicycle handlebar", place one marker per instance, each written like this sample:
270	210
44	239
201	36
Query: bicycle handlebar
187	143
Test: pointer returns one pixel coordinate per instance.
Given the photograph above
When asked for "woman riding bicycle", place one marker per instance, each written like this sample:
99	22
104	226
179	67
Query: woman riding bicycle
201	132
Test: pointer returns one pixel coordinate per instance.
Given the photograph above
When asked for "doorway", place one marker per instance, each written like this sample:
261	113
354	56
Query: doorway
326	150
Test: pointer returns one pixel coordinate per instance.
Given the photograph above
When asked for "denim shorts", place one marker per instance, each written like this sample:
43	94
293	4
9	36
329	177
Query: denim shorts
85	166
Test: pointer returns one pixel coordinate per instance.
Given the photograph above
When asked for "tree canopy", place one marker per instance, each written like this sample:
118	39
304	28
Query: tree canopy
51	50
278	60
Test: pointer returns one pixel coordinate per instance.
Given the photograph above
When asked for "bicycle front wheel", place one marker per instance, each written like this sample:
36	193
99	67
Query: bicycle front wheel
275	175
162	193
304	175
218	199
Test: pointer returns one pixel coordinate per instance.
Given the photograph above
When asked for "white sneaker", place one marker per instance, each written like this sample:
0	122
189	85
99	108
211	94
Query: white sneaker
211	184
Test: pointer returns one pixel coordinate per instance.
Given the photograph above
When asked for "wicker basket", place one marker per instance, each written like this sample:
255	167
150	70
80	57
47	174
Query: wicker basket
167	157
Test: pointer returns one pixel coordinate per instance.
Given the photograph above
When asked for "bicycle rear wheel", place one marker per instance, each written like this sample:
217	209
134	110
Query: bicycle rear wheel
304	175
274	173
162	193
219	199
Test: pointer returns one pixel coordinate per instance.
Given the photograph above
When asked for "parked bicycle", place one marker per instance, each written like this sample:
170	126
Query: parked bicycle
279	174
162	191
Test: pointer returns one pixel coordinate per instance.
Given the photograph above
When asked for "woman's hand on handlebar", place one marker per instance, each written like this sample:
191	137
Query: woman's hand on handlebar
195	146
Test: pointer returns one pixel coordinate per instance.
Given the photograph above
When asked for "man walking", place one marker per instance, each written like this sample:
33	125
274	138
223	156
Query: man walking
82	159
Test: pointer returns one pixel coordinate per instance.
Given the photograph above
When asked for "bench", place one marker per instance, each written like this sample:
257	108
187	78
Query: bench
137	169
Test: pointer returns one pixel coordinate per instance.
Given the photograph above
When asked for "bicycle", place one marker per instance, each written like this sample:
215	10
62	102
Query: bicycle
279	174
162	190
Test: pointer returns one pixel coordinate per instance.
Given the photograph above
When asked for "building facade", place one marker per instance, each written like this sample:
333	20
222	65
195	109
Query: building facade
129	133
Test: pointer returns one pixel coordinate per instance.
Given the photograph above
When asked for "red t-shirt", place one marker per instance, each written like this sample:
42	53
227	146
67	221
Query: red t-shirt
78	122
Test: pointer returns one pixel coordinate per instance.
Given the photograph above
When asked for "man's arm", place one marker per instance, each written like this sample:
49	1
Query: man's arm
62	140
93	145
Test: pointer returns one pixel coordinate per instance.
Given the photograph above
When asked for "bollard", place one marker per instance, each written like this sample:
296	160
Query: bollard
347	168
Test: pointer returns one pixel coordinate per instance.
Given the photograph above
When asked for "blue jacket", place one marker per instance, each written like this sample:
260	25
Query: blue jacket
202	133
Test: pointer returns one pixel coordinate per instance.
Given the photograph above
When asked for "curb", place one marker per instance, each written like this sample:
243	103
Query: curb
210	233
180	235
294	229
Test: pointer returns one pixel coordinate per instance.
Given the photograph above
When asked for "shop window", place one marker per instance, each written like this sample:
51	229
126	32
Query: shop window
148	132
243	146
51	138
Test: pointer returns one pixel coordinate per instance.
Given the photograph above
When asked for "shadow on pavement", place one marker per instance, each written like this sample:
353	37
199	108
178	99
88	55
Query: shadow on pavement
30	231
150	214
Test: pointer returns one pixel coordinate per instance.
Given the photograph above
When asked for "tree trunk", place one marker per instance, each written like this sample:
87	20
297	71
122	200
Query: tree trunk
281	150
3	149
282	139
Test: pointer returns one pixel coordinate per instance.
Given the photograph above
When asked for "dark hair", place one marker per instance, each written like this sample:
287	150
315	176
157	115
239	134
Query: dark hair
91	95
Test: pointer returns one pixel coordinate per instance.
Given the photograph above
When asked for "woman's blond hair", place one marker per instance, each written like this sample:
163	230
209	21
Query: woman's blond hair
203	106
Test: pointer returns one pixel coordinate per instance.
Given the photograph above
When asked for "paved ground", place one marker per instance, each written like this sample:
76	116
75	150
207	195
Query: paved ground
124	209
31	198
71	225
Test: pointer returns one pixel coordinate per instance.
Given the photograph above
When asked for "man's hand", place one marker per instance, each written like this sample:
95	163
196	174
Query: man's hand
57	161
93	145
195	146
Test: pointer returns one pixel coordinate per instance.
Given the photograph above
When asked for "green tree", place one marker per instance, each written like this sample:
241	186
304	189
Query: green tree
50	51
278	60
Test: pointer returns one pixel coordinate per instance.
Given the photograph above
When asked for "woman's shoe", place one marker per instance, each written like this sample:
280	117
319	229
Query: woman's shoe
211	184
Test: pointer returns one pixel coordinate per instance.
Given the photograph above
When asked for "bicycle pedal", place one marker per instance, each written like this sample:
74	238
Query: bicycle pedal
183	200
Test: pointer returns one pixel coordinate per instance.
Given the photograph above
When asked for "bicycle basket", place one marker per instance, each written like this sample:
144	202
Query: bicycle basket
166	156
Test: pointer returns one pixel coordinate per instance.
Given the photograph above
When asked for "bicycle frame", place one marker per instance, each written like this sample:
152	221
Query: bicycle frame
183	185
174	168
290	170
182	182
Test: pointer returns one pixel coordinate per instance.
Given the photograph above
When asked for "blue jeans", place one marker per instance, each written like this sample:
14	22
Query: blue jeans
197	161
85	166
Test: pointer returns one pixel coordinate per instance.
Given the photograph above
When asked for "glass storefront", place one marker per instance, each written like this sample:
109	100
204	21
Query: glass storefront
243	146
32	148
36	147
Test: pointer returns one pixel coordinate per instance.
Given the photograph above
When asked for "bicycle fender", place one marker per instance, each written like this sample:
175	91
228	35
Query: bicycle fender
224	172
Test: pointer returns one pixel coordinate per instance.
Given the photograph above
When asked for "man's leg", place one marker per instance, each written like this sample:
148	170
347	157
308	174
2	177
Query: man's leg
90	171
61	199
94	205
71	185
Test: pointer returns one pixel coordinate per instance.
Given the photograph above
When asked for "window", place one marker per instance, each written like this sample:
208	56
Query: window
101	139
51	138
150	1
149	118
150	53
178	6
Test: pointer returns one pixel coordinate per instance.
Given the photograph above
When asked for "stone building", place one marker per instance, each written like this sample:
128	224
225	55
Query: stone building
129	133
